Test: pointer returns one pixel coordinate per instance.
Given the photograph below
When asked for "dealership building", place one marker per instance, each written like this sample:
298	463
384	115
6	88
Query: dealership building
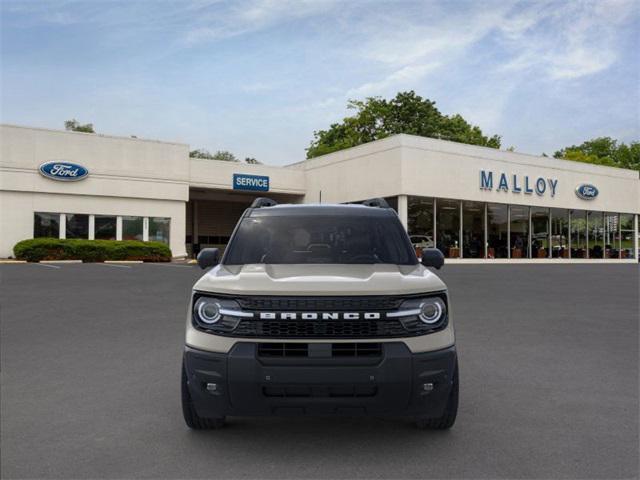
473	203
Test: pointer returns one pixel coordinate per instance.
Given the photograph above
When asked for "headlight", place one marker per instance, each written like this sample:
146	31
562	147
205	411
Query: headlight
425	314
432	310
216	314
207	310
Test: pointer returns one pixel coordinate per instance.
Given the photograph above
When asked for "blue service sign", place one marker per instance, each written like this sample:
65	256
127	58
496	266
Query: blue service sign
63	171
586	191
250	182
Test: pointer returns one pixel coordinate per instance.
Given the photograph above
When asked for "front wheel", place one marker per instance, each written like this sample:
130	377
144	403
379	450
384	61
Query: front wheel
191	417
448	417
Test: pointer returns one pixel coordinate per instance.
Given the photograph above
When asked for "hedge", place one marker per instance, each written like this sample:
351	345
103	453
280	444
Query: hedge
36	249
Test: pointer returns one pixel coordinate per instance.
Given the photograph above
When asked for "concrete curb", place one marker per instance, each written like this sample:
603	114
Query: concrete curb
60	261
9	262
123	261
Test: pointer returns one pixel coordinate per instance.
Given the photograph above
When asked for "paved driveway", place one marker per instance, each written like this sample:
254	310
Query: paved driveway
90	383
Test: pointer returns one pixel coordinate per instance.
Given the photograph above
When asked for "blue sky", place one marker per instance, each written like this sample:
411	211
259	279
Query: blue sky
258	77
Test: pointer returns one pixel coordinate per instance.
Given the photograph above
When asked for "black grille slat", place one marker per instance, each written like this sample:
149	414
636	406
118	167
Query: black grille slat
283	349
302	349
319	328
318	304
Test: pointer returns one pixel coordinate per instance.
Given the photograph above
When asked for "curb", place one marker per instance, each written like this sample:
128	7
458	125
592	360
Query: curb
60	261
123	261
9	262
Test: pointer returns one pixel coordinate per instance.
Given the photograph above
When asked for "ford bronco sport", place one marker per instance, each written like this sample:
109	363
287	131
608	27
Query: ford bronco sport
315	310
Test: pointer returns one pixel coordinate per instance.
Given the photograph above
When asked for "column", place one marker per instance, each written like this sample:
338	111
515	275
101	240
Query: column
118	228
403	210
92	227
145	229
63	225
635	236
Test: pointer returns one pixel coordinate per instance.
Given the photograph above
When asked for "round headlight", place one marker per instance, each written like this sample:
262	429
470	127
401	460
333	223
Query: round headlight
432	311
207	310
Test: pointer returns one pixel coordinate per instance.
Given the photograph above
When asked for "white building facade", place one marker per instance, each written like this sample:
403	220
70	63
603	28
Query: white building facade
470	202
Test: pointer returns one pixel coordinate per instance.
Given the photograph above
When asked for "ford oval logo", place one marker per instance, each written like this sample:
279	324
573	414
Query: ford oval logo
586	191
64	171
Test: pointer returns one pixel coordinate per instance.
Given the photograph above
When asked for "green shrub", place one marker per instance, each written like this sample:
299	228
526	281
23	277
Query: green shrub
36	249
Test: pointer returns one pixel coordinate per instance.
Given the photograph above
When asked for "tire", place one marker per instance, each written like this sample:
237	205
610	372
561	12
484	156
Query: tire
191	417
448	417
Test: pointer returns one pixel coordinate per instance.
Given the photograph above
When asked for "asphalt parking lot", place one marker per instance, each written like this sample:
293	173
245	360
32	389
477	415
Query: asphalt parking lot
90	363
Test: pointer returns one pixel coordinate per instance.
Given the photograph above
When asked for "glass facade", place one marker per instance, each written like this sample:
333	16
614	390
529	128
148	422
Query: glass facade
77	226
46	225
132	228
559	233
578	234
448	227
473	241
159	229
626	236
105	227
595	238
540	237
519	236
465	229
497	230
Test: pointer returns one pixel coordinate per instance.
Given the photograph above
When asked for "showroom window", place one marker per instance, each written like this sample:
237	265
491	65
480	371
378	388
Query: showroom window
132	228
77	226
578	234
611	235
626	236
420	221
539	232
595	237
473	241
519	231
560	233
105	227
497	230
448	227
159	229
46	225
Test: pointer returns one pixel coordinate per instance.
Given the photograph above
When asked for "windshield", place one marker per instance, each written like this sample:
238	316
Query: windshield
342	239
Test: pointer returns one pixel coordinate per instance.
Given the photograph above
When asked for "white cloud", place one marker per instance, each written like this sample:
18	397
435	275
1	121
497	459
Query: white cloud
400	79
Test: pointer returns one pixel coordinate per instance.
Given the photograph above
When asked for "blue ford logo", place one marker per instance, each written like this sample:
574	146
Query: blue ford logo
64	171
586	191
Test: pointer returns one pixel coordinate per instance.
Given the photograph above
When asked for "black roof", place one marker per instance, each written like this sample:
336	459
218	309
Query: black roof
354	210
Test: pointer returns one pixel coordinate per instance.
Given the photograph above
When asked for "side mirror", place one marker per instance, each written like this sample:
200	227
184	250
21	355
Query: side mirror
208	257
432	257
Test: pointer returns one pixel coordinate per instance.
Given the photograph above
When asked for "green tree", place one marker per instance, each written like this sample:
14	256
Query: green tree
219	155
604	151
74	126
252	161
377	118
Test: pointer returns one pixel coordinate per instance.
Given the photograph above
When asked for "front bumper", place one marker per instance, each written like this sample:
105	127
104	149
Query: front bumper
395	383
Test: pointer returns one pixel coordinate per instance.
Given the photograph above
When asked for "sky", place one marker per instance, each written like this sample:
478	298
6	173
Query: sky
258	77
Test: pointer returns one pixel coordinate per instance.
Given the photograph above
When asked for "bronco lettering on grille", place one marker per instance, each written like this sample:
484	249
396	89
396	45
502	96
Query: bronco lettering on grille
319	316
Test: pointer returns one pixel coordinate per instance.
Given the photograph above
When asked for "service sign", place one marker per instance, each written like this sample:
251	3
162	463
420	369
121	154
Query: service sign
586	191
254	183
63	171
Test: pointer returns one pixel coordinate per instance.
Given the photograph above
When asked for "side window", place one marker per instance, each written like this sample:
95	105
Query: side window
46	225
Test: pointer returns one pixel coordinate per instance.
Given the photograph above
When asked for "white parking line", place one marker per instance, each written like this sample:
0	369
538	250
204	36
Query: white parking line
113	265
170	265
47	265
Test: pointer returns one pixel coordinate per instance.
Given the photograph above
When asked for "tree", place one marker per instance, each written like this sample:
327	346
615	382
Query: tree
604	151
377	118
219	155
75	126
252	161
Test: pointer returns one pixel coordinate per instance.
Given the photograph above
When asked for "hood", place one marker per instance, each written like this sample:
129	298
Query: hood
318	280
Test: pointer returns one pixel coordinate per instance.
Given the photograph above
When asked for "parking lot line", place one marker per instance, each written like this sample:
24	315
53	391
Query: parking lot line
113	265
47	265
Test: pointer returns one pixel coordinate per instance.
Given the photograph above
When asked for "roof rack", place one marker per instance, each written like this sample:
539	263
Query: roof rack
263	202
376	202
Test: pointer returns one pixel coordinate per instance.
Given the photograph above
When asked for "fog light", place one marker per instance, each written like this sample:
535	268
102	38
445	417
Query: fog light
212	387
427	387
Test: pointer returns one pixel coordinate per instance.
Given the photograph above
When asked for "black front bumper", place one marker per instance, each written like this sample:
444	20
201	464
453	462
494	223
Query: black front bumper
395	383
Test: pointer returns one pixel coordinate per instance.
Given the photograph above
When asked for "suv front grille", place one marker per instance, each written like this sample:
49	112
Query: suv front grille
320	328
320	304
353	350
